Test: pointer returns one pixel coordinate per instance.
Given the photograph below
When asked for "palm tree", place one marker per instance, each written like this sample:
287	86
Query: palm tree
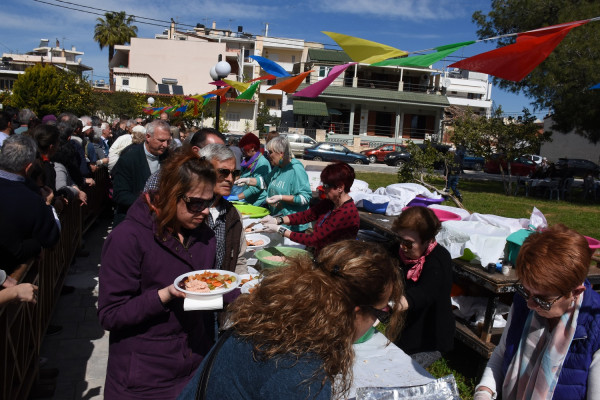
114	29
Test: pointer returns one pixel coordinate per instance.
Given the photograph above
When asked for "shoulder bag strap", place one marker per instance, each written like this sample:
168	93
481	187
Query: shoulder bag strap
203	382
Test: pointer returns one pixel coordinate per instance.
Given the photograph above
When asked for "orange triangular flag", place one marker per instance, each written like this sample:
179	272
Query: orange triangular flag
291	84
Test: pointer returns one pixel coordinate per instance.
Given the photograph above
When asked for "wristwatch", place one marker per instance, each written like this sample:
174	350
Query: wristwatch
281	231
279	220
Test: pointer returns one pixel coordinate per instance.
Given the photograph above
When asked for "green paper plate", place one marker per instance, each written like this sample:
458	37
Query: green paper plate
277	251
250	210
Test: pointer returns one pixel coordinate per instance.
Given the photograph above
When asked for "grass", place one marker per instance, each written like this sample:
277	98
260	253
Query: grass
487	197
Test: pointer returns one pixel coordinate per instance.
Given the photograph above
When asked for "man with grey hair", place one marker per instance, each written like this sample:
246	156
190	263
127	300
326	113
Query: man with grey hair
136	163
223	218
28	221
25	115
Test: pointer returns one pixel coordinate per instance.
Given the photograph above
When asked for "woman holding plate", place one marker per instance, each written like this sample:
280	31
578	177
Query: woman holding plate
154	345
292	337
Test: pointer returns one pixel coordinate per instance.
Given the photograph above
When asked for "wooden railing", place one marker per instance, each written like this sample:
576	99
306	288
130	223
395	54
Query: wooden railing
23	325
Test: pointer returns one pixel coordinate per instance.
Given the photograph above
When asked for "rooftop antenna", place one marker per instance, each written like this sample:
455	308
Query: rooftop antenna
266	30
230	21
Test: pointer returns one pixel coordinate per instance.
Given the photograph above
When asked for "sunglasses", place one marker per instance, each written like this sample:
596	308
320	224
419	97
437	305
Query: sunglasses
196	205
327	186
544	304
224	173
383	315
407	244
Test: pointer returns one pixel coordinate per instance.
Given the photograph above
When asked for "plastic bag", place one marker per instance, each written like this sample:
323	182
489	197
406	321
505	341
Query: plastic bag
440	389
537	221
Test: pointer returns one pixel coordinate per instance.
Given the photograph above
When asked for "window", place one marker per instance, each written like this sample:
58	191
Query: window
339	147
323	71
233	121
293	59
271	103
271	81
125	81
309	140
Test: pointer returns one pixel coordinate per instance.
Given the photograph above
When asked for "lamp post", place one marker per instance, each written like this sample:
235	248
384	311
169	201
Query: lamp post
221	70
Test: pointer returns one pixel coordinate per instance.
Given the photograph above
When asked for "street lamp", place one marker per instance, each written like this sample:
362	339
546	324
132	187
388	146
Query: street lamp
221	70
150	100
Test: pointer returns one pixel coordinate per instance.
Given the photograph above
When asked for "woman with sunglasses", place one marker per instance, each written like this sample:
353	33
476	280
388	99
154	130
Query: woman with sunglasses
549	348
336	214
287	186
253	165
427	270
154	345
292	337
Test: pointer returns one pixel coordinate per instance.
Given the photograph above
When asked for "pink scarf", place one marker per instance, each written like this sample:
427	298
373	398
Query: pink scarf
415	271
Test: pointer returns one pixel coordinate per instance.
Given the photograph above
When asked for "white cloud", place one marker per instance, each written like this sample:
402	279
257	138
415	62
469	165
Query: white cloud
405	9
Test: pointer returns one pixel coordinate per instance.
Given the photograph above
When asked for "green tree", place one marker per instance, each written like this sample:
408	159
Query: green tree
46	89
264	117
485	137
114	29
561	83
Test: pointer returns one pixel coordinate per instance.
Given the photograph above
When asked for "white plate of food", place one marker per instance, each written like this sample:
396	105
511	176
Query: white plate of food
249	286
257	241
207	282
252	225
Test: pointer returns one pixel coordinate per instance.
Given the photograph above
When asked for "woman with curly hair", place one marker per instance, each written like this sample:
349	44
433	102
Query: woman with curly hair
154	345
292	337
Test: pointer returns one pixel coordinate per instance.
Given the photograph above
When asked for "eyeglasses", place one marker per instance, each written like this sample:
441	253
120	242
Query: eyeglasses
407	244
544	304
224	173
196	205
327	186
383	315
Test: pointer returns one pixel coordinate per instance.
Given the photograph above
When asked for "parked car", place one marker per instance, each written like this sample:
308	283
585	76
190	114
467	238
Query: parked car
471	161
520	166
334	152
397	158
535	158
577	167
299	142
379	153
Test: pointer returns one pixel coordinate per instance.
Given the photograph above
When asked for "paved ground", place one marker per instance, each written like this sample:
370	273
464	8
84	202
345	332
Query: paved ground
80	351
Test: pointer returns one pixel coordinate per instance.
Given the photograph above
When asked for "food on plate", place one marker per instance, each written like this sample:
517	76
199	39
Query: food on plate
258	242
206	281
276	258
248	279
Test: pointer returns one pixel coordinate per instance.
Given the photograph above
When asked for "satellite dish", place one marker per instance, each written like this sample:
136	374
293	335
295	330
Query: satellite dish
446	82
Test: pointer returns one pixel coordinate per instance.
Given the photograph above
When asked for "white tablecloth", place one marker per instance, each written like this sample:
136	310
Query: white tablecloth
381	366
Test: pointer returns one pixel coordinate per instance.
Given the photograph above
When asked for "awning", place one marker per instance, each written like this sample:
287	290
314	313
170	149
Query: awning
314	108
334	111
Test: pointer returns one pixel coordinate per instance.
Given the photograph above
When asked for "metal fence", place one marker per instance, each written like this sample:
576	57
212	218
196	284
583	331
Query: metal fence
24	325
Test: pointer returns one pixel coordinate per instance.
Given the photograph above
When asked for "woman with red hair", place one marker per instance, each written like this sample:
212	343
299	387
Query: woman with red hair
253	165
336	215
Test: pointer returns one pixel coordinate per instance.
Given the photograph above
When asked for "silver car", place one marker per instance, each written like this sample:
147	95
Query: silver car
299	142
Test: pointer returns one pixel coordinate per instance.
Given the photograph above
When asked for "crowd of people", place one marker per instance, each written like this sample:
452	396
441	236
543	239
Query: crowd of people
173	190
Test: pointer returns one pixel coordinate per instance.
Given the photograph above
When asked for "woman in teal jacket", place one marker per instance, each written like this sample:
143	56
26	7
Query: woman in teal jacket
287	187
254	165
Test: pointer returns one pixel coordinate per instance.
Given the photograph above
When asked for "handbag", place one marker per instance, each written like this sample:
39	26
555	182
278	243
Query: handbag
203	382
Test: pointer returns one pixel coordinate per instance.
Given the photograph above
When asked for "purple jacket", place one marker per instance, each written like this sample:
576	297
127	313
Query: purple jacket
154	349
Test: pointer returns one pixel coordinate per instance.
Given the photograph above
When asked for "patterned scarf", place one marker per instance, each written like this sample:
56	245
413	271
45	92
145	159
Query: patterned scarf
536	365
415	271
251	163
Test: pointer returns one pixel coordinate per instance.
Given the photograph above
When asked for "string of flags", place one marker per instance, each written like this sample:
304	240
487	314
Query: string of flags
512	62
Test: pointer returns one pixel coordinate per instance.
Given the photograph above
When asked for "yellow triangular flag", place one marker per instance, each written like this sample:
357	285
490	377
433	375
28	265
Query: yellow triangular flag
364	51
239	86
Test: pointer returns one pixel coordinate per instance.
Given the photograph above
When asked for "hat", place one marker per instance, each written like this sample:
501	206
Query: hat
139	128
86	128
48	118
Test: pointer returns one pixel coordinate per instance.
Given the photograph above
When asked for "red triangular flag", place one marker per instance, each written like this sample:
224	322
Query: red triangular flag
260	78
514	62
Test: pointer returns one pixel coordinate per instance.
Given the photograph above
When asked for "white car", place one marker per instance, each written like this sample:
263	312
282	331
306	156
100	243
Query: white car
535	158
299	142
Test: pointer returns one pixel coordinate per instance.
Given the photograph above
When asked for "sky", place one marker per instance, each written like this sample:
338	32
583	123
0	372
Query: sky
408	25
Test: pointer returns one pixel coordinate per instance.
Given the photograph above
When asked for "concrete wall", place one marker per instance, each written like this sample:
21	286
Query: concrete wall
187	61
570	145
